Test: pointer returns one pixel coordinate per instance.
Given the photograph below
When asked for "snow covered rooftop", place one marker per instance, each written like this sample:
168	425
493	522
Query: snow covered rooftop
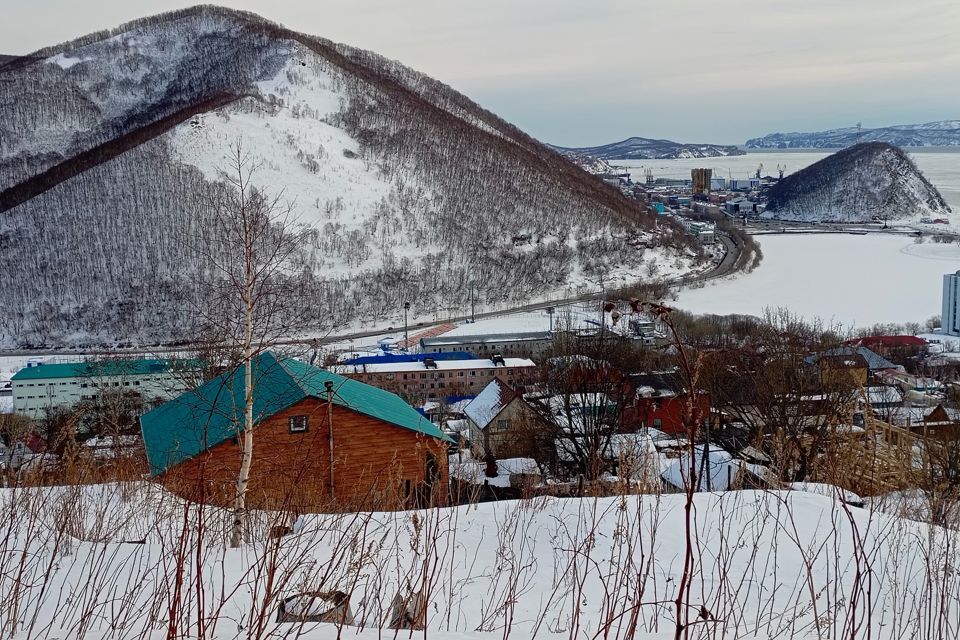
486	338
716	470
441	365
488	404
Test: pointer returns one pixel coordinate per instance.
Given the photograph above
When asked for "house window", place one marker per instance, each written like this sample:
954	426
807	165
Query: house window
83	385
298	424
503	425
460	373
136	383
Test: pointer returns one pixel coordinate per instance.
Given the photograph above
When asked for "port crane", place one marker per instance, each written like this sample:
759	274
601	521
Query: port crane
759	170
781	168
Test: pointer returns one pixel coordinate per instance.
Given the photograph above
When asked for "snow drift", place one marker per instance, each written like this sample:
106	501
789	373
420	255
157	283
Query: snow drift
132	562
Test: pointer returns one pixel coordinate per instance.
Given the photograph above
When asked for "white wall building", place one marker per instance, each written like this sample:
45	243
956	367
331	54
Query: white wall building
950	314
39	386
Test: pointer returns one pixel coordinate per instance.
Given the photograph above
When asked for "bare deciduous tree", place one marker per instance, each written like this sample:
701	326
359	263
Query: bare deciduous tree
253	296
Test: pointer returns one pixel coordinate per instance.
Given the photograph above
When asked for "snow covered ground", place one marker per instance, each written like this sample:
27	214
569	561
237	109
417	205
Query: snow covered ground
765	565
854	280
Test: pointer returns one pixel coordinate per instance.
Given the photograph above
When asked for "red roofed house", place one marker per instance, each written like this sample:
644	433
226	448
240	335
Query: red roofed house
895	347
661	401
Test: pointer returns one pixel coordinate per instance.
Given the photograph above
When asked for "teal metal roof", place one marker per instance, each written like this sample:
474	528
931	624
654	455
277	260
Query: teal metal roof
200	419
95	369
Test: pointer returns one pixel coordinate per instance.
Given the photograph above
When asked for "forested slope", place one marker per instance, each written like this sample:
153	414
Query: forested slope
110	144
872	179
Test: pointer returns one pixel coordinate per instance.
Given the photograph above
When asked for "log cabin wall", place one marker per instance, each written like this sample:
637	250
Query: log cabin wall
377	465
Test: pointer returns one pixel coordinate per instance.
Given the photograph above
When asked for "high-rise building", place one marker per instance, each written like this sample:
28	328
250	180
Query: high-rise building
950	316
701	179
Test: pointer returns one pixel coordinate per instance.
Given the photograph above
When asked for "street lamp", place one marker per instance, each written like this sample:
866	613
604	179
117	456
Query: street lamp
406	335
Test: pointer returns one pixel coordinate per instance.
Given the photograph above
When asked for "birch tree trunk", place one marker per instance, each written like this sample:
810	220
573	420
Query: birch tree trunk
248	227
254	295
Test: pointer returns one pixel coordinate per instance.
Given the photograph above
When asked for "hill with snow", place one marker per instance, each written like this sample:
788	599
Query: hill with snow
650	149
945	133
866	181
410	191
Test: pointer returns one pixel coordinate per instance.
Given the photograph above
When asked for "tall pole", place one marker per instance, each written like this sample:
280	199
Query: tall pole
406	334
329	387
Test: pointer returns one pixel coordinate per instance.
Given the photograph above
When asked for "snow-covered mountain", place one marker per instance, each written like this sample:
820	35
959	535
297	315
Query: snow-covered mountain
649	149
871	179
945	133
110	145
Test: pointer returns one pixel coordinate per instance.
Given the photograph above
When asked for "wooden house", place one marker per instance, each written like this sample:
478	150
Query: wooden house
321	442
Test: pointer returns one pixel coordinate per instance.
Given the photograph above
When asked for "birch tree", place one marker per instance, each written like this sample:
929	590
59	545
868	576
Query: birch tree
253	299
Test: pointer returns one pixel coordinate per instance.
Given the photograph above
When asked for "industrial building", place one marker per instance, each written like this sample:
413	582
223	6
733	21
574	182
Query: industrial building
425	377
526	344
40	386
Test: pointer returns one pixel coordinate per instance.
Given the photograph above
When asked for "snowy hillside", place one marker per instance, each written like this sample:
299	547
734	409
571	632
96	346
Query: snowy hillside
647	149
945	133
412	192
130	561
857	184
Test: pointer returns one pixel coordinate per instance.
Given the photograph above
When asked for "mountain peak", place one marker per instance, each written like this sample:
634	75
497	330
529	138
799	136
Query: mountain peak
637	148
864	181
942	133
410	190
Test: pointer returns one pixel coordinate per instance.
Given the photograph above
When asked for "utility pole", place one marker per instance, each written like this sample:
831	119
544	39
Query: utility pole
406	333
473	312
329	387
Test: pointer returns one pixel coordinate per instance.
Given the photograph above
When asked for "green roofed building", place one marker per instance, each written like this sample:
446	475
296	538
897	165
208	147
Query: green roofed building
367	446
41	386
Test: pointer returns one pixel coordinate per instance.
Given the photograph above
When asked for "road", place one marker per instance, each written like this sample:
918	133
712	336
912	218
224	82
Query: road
723	268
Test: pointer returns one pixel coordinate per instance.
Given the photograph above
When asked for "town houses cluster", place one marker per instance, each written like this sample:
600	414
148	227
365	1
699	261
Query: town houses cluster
482	410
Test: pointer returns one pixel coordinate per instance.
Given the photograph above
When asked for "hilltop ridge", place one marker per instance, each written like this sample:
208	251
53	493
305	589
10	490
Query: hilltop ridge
865	181
411	191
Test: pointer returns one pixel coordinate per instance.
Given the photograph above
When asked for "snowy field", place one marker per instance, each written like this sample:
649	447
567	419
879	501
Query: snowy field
854	280
130	561
941	167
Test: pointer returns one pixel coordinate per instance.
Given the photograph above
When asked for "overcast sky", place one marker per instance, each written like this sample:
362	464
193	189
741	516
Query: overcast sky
583	72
